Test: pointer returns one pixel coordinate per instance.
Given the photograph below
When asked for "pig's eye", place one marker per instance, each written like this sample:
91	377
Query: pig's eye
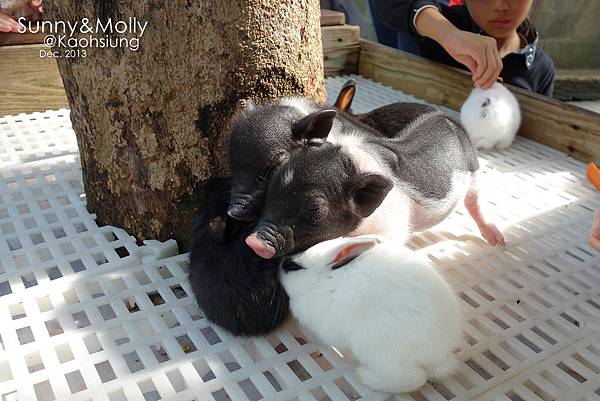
312	215
309	216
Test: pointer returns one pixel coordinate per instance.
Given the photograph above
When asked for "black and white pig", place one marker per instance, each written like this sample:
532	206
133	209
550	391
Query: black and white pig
356	184
262	137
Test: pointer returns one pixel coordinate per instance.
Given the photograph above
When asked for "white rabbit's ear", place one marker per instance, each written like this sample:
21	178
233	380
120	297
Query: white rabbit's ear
351	249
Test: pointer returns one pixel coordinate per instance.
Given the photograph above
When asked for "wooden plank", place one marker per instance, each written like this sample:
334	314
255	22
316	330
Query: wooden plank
341	49
562	126
330	17
12	38
25	38
29	82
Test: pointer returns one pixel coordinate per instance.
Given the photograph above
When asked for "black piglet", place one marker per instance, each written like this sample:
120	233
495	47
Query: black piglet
235	288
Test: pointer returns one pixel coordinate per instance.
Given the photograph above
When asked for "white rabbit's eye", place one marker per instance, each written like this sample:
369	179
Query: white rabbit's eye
316	209
288	265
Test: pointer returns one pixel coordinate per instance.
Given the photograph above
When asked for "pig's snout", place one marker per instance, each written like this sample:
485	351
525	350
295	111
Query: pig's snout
269	241
260	247
242	207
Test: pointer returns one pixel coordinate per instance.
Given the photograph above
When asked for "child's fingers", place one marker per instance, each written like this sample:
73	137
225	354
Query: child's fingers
594	236
486	81
596	223
487	84
470	63
491	73
481	60
7	24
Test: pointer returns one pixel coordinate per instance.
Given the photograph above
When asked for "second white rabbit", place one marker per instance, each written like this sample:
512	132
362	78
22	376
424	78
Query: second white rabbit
491	117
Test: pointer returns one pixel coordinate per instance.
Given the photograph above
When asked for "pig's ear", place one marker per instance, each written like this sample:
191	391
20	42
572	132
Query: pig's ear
344	99
367	193
314	126
350	249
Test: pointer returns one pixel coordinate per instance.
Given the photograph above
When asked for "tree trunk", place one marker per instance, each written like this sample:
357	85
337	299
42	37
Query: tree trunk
152	124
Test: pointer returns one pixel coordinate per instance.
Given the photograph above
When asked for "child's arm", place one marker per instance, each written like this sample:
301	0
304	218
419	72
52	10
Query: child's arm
479	53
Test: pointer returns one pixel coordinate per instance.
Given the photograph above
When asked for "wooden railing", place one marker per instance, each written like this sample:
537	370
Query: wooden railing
30	83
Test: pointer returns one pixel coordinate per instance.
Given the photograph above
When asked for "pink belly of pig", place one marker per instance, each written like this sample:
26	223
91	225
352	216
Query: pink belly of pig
426	213
390	219
393	221
423	218
399	215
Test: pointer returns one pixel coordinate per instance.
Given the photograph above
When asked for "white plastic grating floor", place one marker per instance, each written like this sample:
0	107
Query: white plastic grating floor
86	314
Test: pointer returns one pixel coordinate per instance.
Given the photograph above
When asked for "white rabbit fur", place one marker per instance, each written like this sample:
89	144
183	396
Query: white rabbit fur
391	310
491	117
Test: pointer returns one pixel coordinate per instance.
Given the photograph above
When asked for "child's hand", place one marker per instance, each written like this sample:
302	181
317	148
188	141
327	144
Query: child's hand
7	24
594	236
479	53
35	4
36	9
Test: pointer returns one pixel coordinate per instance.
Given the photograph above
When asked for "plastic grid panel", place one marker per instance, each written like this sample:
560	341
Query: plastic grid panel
89	315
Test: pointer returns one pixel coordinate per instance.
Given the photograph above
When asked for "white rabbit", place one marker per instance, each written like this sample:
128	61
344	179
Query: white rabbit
491	117
376	299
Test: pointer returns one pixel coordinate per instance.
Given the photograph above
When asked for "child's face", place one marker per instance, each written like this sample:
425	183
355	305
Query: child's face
499	18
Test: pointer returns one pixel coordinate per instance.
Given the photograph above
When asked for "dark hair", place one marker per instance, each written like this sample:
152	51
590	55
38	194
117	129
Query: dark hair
527	27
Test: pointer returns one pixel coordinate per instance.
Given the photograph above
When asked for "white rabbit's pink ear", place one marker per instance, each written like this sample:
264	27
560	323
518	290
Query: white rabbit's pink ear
351	250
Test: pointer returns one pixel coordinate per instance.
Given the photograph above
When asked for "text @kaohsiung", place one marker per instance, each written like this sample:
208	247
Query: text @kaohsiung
75	37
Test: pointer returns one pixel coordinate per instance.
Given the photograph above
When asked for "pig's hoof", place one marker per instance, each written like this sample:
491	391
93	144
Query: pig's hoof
491	234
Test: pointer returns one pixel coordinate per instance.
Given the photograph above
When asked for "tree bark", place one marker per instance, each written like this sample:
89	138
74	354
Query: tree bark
152	124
